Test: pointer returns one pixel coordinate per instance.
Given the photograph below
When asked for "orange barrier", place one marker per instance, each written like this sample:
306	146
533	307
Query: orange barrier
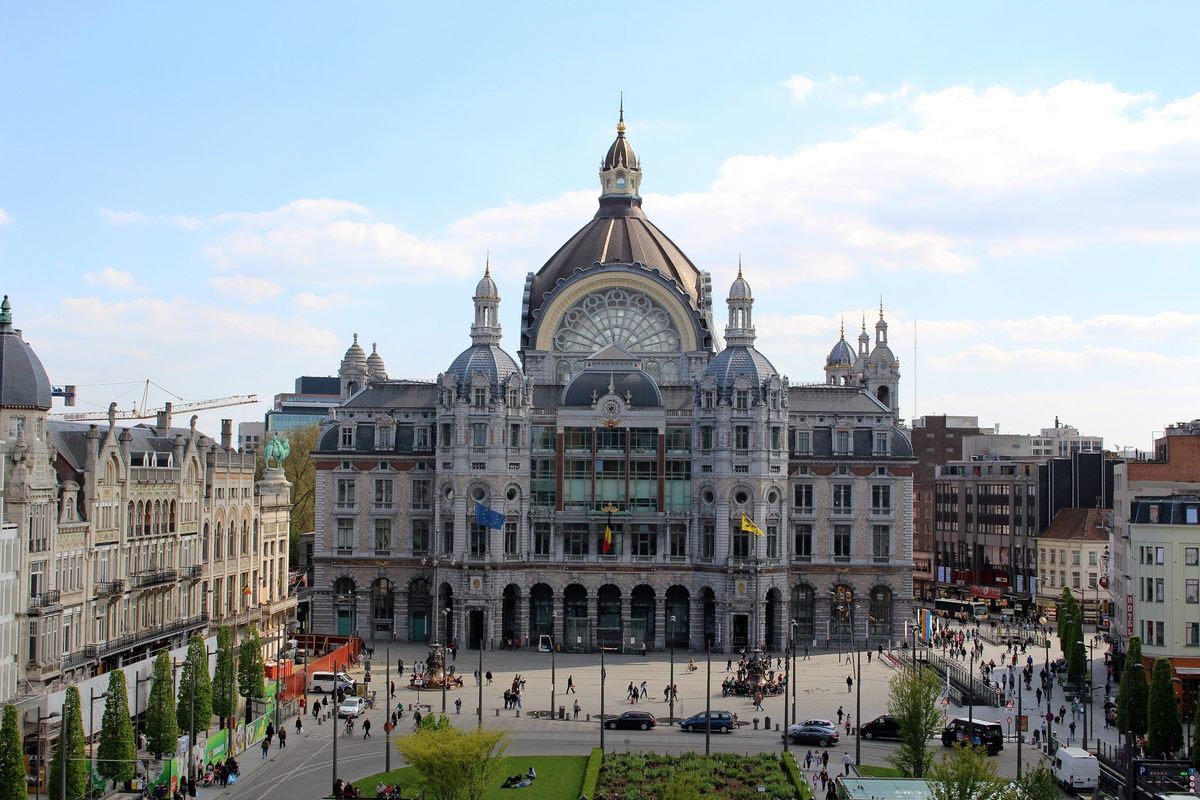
293	676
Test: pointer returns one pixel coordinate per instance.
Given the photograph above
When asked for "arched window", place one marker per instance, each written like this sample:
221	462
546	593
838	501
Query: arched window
804	612
245	537
880	623
219	541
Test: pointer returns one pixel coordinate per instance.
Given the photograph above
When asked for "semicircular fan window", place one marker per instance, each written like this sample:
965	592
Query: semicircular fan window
616	316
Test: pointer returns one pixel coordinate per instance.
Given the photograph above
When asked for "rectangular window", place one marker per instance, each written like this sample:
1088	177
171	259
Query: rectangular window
422	439
1160	555
706	437
479	434
802	544
480	396
741	437
772	541
383	437
804	442
1092	559
1075	580
842	498
841	542
478	539
541	538
802	497
541	437
347	438
1192	634
422	494
420	536
645	542
708	540
776	439
1191	556
881	543
383	493
345	492
575	540
448	535
344	536
514	435
383	536
447	434
1160	637
741	399
678	541
1191	592
510	538
881	498
1075	558
741	544
881	444
1160	590
842	443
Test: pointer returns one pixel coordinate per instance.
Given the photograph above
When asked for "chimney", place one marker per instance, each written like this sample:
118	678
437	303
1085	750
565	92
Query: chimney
163	422
227	434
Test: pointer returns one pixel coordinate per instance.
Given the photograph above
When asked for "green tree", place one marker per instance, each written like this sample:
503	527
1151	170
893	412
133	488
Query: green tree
453	764
223	700
300	471
1164	727
71	735
251	667
117	751
12	768
1073	648
195	674
1131	696
913	701
966	773
162	728
1036	784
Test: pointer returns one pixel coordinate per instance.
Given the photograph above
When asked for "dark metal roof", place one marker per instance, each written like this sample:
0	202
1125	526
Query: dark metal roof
841	354
620	154
593	383
618	234
739	360
23	380
395	394
490	359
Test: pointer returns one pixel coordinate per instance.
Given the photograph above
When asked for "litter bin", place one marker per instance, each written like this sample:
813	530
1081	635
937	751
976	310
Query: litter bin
562	712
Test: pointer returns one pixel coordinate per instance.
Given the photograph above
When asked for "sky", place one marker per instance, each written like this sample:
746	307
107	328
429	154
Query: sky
216	197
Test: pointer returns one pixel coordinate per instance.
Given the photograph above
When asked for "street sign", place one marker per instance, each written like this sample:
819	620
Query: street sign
945	701
1010	720
1023	723
1010	705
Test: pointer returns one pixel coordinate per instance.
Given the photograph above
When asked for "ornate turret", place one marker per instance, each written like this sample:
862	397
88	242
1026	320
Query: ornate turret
353	372
375	368
882	371
620	172
486	328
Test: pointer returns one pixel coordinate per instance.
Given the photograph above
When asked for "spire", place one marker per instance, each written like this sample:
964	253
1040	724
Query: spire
881	306
864	322
621	117
739	265
620	171
843	333
487	265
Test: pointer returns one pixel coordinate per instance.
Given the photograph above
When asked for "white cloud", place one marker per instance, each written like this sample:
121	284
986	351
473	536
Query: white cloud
114	217
323	302
4	217
245	287
799	86
111	279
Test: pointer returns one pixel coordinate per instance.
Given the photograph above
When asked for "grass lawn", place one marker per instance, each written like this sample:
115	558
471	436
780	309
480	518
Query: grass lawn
872	771
559	778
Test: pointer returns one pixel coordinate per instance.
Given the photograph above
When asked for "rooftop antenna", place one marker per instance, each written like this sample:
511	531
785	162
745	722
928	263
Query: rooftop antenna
914	379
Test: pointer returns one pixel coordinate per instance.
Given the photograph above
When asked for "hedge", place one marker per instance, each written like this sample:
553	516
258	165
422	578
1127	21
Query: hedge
591	775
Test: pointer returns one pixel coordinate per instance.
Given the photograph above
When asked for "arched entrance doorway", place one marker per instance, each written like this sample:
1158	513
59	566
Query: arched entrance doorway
609	631
641	616
541	606
771	621
383	608
508	612
678	606
345	606
420	604
804	613
575	618
709	599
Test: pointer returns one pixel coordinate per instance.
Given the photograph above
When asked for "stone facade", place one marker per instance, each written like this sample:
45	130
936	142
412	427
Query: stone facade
654	487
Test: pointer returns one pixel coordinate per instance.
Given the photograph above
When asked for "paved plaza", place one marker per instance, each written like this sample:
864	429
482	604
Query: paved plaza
820	682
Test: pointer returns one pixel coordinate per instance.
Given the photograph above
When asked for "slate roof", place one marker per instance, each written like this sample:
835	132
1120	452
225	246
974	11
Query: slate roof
643	391
490	359
23	379
739	360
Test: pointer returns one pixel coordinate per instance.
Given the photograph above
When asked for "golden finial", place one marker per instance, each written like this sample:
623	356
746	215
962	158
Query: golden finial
621	118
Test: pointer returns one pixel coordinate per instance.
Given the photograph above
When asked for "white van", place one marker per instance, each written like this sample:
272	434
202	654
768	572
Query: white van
1076	769
330	682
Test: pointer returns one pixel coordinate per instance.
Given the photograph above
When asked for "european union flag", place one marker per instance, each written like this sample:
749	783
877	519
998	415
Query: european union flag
487	518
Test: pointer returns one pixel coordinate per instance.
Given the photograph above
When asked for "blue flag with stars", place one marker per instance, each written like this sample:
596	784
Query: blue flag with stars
487	517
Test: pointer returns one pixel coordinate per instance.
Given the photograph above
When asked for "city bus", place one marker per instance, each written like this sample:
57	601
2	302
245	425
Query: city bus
961	609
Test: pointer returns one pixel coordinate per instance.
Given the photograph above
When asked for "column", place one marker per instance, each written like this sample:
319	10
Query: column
696	626
627	618
662	623
721	548
521	621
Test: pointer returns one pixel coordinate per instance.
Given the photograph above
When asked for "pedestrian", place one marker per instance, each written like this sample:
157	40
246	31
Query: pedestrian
476	677
840	714
400	667
577	708
458	705
849	684
824	758
806	656
868	656
1039	695
808	758
299	725
728	664
392	695
488	676
283	735
266	745
1071	738
571	684
846	762
416	719
643	694
366	729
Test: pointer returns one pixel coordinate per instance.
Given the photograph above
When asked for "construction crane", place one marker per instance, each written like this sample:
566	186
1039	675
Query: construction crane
169	409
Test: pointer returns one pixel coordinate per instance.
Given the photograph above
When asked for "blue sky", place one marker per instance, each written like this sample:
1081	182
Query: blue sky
217	197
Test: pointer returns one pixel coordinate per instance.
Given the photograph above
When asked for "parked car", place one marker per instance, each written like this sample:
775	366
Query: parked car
822	735
330	682
352	707
721	722
823	723
884	727
632	720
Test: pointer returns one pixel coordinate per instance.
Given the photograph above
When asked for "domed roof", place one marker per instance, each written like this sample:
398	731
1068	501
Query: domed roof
23	379
840	355
620	153
354	355
590	384
740	290
489	359
375	364
739	360
486	288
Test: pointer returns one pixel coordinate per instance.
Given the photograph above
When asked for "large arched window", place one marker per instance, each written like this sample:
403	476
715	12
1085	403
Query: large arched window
880	623
804	612
617	316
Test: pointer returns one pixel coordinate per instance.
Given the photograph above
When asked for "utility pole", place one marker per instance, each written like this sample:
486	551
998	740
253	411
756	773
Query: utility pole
603	721
479	682
708	701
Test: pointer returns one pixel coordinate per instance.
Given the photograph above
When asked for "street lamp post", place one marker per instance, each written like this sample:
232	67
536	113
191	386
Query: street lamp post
92	698
787	682
708	701
335	735
445	677
479	681
603	719
971	692
1020	734
387	707
671	687
1089	695
553	674
792	683
857	697
64	730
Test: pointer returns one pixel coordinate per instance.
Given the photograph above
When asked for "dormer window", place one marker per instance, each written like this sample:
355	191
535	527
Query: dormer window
480	395
741	399
346	441
620	181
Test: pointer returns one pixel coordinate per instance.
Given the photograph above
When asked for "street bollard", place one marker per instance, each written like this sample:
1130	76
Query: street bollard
767	724
497	712
756	723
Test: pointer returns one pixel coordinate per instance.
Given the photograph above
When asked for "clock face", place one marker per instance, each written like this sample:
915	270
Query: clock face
611	409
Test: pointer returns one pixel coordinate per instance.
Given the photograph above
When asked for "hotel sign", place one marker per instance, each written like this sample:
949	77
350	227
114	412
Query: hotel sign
1129	615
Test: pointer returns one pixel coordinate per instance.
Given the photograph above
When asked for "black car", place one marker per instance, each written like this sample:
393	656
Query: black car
812	734
885	727
721	722
632	720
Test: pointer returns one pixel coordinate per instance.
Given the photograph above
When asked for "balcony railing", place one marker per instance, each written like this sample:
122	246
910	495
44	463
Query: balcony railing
110	588
72	660
155	577
131	640
195	571
44	602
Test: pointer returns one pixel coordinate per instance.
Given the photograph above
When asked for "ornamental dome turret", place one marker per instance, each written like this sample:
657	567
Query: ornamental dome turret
375	367
486	288
841	355
620	152
740	290
355	357
23	379
485	356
